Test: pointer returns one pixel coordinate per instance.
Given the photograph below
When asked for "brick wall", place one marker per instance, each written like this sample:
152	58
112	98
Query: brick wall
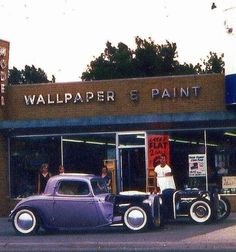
210	97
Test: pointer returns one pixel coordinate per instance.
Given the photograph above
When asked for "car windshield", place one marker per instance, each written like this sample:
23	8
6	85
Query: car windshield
99	186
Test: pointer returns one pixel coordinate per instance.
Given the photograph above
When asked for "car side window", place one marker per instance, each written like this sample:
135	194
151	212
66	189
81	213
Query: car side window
73	188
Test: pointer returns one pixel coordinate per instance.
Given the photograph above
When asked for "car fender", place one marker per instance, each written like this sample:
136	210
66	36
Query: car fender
150	203
32	205
123	202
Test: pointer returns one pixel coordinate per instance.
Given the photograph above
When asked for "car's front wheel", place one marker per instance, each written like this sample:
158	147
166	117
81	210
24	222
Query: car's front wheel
200	211
26	222
136	218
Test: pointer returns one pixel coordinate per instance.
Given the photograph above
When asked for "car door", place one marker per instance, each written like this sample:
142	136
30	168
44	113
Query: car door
74	205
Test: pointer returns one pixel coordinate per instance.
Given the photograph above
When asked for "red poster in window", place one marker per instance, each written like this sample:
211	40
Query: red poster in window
158	145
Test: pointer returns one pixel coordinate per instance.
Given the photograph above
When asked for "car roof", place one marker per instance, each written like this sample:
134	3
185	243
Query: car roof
76	175
66	176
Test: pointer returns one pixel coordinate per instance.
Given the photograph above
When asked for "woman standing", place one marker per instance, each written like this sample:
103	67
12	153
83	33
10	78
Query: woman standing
61	170
43	178
106	177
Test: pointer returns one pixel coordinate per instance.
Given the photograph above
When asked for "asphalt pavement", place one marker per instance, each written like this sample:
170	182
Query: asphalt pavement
175	236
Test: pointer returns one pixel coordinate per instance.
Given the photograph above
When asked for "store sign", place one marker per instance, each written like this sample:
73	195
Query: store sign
228	182
3	70
158	145
109	96
197	165
3	73
175	92
99	96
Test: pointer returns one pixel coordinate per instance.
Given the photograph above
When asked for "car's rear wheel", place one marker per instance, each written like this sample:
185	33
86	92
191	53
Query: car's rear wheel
25	222
135	218
200	211
224	208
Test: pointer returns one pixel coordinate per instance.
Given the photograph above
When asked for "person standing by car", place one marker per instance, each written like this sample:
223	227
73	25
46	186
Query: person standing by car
61	170
161	170
166	187
43	178
106	177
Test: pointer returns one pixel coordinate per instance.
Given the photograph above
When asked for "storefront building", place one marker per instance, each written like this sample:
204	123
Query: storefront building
122	124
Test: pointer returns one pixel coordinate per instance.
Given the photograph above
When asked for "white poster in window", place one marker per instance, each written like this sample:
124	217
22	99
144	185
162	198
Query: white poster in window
228	182
197	165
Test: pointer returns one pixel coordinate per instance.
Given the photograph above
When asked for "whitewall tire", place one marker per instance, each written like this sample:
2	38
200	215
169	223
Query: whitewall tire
135	218
200	211
25	222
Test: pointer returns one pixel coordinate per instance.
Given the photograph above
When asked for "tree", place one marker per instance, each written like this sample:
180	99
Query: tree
29	75
113	63
15	76
214	64
147	59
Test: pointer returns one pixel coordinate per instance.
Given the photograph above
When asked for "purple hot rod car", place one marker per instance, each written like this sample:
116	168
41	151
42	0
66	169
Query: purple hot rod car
73	201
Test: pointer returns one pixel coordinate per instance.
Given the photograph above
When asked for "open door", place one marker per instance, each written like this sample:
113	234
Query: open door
133	172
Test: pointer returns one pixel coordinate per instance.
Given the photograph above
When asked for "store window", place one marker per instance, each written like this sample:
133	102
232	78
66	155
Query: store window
85	153
221	160
203	159
131	140
187	150
179	148
88	153
27	154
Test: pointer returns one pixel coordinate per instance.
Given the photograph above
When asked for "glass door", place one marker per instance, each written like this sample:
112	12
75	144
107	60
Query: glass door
131	170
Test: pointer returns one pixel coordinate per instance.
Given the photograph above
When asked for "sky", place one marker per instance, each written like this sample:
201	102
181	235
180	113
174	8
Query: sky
63	36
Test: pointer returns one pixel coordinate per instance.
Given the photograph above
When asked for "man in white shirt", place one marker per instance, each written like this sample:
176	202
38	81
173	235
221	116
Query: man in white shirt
161	170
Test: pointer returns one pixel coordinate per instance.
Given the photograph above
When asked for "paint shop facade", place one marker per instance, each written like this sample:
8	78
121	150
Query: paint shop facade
122	124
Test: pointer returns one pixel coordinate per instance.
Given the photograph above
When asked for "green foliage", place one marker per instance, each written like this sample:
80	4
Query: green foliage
147	59
113	63
15	76
214	64
29	75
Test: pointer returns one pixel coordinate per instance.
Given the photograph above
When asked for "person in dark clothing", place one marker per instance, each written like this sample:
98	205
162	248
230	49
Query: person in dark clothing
61	170
106	177
43	178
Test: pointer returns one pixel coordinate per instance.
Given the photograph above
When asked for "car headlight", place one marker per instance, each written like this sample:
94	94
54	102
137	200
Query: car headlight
148	201
206	196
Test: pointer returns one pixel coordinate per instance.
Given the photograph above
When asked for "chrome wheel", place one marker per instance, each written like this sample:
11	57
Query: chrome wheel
25	222
135	218
200	211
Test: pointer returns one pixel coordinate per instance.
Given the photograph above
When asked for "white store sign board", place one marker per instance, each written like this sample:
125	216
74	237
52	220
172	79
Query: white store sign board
228	182
197	165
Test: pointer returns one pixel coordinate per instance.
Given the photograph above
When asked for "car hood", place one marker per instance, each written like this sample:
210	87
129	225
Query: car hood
132	193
